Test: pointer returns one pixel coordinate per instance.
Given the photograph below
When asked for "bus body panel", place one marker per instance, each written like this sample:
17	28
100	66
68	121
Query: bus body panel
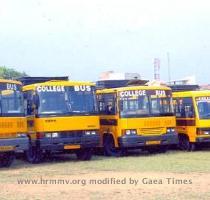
49	124
189	126
149	129
13	127
72	131
10	126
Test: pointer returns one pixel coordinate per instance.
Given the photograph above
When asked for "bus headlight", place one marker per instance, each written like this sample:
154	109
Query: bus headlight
55	135
48	135
206	132
170	130
90	132
93	132
21	135
130	132
203	131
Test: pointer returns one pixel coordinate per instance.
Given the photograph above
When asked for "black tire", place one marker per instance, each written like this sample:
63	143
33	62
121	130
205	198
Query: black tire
163	149
110	149
33	154
185	144
6	159
153	150
84	154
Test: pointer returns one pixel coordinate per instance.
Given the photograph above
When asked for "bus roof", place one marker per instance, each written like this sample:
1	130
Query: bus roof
196	93
112	90
10	81
57	83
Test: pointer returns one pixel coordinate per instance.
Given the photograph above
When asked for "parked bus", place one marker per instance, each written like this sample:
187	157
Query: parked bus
136	117
62	117
192	110
13	127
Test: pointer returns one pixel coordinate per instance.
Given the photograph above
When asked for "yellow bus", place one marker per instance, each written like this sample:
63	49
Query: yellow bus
193	118
136	117
62	117
13	127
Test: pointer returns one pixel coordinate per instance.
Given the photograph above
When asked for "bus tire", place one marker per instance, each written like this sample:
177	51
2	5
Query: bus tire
185	144
33	154
6	159
109	147
84	154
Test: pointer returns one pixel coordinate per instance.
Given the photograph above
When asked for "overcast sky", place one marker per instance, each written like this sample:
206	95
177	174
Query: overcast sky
83	38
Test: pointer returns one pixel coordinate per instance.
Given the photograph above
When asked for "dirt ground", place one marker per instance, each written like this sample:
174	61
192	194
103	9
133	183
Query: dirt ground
105	178
149	186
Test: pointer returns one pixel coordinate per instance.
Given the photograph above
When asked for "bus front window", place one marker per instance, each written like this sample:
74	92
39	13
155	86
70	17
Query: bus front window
52	103
12	102
134	107
82	102
203	105
67	102
161	106
148	105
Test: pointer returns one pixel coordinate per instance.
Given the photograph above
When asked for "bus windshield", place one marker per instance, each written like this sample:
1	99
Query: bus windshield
146	105
203	105
161	106
11	103
67	101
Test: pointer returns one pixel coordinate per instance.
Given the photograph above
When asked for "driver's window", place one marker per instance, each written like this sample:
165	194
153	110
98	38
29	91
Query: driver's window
106	103
184	107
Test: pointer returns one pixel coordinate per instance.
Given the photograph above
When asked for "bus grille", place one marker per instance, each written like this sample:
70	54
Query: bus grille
152	131
71	134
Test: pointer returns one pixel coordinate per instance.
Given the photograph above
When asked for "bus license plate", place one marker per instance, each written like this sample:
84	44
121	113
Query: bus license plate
152	142
7	148
72	147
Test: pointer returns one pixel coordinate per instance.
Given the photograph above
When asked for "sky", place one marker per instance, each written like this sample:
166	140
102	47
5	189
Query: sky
81	39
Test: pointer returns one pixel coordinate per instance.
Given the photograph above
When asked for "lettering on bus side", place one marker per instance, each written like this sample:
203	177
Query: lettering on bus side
131	93
53	88
160	93
202	99
11	86
137	93
82	88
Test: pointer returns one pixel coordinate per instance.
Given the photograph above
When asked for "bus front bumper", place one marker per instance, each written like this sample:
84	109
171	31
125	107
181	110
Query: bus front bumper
14	144
59	144
203	139
136	141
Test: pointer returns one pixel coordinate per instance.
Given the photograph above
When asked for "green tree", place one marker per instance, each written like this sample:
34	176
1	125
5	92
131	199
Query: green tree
10	73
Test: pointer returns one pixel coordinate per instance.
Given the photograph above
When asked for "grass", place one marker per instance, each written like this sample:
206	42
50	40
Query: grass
174	161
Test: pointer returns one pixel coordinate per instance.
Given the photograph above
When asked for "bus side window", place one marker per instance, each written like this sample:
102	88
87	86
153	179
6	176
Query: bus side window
106	103
184	108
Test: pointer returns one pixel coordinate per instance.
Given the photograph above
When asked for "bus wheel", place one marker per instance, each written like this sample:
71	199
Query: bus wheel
6	159
33	154
84	154
109	147
185	144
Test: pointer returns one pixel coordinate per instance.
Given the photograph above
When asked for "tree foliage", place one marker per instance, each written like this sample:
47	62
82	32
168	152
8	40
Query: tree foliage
10	73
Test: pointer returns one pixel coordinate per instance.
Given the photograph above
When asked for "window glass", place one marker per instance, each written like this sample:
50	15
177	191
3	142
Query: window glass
184	107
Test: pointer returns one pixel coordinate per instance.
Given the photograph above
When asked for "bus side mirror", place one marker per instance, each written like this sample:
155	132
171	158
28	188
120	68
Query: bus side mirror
36	100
